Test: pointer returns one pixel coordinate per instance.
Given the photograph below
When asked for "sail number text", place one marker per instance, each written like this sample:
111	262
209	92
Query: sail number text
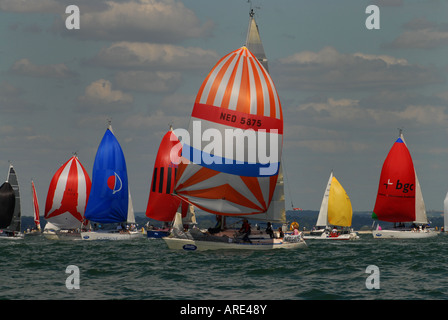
241	120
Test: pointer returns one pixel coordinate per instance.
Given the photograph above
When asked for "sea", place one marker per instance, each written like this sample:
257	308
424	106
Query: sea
146	270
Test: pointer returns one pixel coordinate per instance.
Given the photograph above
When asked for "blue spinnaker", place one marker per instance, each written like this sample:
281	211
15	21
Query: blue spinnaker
109	195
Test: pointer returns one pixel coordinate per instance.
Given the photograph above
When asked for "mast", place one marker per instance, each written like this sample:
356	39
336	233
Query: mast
253	41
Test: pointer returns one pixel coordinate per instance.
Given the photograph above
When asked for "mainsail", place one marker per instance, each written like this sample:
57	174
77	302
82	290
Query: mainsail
67	195
109	196
237	103
162	205
399	197
17	216
7	203
36	213
253	41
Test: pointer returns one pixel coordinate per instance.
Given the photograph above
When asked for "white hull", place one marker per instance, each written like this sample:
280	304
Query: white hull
325	236
110	235
404	234
16	236
201	245
62	235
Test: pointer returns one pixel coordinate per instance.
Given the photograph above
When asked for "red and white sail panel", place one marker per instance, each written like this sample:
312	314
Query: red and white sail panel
67	195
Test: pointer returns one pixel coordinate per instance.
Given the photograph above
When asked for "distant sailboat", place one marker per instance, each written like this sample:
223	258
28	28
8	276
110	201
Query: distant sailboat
10	211
335	211
36	212
237	95
66	201
162	205
110	199
399	198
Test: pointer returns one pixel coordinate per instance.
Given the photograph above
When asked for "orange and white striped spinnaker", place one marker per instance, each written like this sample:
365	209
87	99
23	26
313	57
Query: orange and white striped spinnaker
235	139
67	195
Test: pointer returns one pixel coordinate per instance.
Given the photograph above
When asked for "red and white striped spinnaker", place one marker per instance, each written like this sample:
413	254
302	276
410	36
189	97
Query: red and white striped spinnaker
236	135
67	195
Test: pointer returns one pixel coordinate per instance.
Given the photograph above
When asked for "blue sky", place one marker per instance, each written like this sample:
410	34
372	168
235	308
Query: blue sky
344	89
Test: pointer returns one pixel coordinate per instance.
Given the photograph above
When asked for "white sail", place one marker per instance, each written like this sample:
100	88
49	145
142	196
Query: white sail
131	215
253	41
420	209
322	219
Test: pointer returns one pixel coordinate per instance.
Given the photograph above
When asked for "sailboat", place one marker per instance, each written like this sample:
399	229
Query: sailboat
335	211
110	198
10	211
36	213
162	205
237	98
66	201
399	199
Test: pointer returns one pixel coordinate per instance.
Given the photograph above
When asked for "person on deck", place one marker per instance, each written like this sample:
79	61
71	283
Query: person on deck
218	226
245	229
269	230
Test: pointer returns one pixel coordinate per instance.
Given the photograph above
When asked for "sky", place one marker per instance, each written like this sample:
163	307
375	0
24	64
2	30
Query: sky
345	89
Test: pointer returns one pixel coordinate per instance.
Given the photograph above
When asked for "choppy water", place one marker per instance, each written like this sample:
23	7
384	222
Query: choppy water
35	268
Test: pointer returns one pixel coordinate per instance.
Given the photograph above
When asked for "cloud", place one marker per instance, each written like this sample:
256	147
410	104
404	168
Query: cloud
420	33
344	126
154	56
330	70
166	21
100	96
25	67
148	81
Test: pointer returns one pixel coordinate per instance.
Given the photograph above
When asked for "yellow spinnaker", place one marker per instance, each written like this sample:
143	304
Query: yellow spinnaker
339	206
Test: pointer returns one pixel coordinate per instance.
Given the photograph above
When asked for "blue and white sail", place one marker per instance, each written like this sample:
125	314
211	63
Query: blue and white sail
109	195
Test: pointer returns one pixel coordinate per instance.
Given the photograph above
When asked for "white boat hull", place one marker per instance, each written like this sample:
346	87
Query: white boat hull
403	234
201	245
62	235
110	235
324	236
7	236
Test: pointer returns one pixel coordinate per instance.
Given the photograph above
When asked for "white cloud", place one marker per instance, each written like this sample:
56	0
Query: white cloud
421	34
166	21
27	68
100	95
425	115
330	70
154	56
